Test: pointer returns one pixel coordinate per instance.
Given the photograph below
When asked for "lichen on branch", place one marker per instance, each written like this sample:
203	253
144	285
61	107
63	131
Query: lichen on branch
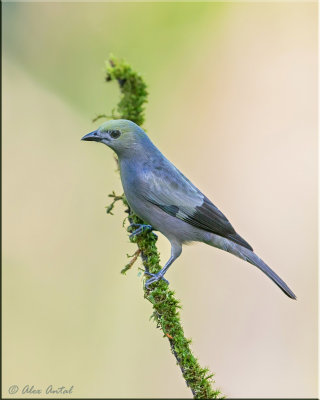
165	306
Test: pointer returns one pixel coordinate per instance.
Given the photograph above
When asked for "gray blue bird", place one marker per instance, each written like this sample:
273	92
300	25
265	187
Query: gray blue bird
168	202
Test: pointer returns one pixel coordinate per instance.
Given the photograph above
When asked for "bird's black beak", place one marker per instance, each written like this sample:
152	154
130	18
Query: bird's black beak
92	136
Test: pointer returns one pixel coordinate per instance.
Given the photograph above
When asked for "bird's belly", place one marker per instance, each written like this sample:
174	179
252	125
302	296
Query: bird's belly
139	207
171	227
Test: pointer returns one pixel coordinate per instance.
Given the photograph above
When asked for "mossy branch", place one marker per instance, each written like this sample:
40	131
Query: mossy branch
165	305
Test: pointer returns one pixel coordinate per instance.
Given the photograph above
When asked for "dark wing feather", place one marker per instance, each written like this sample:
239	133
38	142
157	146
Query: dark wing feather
207	217
210	218
170	190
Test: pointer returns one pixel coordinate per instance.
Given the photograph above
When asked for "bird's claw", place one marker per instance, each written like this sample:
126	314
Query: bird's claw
140	229
154	278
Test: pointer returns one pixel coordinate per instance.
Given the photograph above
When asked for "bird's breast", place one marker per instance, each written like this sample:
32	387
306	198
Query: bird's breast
133	186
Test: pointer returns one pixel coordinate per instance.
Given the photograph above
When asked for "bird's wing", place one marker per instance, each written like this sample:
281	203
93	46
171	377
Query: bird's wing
167	188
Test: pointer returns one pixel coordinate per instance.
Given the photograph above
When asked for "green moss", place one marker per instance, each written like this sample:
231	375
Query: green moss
165	306
133	89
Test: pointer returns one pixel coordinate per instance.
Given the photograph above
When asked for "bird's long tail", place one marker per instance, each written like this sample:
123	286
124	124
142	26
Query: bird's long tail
253	259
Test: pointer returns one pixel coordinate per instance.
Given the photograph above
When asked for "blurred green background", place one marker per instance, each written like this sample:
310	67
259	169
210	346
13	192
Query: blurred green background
233	103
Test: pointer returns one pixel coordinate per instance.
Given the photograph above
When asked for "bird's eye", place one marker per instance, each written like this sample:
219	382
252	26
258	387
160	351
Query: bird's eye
115	134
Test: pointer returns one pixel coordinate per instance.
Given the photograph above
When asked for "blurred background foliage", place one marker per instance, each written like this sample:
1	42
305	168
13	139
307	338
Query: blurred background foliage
66	44
233	104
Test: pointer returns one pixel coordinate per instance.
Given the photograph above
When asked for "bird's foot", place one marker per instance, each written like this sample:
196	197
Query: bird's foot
140	229
154	278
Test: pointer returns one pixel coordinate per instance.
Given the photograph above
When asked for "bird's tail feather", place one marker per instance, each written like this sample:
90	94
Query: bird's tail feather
253	259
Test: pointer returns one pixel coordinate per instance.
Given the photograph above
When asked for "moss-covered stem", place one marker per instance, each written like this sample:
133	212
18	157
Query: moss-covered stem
165	305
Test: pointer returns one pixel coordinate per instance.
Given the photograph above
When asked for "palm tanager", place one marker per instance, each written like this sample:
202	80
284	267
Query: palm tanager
168	202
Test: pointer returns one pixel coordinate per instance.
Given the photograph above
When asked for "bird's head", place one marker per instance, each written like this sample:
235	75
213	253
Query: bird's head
122	135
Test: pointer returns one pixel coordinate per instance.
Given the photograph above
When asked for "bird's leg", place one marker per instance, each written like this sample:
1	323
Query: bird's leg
176	249
140	228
